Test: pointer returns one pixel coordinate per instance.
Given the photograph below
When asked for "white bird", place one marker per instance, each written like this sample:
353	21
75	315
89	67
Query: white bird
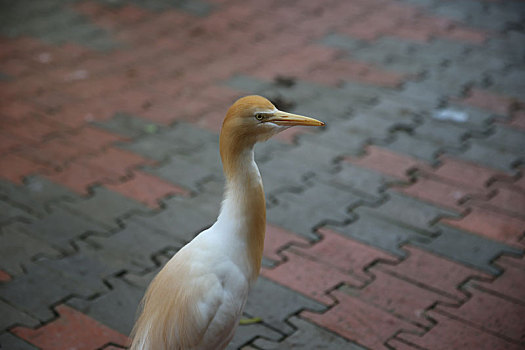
197	299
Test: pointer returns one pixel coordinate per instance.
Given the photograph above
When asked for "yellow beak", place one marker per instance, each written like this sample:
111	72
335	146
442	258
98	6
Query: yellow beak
289	119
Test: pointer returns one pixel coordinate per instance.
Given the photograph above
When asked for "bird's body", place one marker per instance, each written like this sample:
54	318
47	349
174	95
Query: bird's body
197	299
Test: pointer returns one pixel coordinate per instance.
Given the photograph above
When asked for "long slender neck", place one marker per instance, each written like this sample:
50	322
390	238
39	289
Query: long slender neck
244	209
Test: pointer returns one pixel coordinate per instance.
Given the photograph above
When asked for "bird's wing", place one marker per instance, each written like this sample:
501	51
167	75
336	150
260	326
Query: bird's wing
178	306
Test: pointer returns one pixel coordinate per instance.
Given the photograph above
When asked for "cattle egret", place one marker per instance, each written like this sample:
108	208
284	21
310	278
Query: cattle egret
196	300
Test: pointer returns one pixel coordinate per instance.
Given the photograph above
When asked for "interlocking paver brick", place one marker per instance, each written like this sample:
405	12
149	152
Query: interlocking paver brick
510	283
308	336
71	329
132	247
185	217
17	247
439	193
399	297
116	308
146	189
302	222
489	312
467	248
61	227
104	207
346	255
389	163
432	272
15	167
12	317
463	173
278	239
311	278
359	321
9	341
449	333
262	301
491	224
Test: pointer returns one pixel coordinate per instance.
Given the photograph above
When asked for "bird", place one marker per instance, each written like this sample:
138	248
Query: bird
197	299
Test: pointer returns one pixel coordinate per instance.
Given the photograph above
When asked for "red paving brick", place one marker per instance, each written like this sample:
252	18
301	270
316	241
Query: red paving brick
518	120
449	333
93	138
494	102
387	162
115	160
78	177
464	174
15	167
490	223
55	152
399	297
466	34
511	283
509	198
344	254
491	313
363	323
147	189
4	276
308	277
432	272
277	239
71	330
436	192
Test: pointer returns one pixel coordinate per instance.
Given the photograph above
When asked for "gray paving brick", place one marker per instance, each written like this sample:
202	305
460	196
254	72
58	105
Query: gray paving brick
246	333
133	247
116	309
128	125
53	286
35	195
104	207
342	42
381	232
61	227
188	170
328	107
510	82
468	248
477	120
248	84
17	248
308	336
366	183
507	139
11	342
317	203
182	139
183	218
408	211
484	153
442	133
419	148
275	303
287	168
13	317
10	213
299	91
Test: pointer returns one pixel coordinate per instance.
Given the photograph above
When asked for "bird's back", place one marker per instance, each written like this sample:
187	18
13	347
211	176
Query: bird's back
195	301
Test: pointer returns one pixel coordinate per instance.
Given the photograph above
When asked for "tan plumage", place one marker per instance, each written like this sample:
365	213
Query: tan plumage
196	300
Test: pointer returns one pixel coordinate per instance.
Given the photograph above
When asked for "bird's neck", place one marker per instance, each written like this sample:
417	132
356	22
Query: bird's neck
243	211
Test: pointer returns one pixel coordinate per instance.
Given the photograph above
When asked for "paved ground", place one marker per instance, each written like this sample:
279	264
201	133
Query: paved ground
398	226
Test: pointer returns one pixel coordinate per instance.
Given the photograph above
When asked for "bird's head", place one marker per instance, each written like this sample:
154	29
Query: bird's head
254	118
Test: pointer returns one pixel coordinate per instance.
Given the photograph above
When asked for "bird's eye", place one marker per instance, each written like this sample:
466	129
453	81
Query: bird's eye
259	116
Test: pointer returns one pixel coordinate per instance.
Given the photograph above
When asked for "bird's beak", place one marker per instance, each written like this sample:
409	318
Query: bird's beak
289	119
